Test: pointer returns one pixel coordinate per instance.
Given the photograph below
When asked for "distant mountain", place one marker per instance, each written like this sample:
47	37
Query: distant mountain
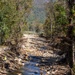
37	14
40	2
38	11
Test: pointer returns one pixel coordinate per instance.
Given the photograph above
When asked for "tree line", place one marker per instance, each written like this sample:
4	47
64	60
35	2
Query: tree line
12	18
60	23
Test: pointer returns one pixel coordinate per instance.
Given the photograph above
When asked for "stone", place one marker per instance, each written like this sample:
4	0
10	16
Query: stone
48	72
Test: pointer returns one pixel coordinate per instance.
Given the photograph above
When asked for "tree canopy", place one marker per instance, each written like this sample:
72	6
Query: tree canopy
12	18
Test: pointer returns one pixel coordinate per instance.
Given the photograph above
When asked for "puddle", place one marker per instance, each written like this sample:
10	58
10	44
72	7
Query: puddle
30	68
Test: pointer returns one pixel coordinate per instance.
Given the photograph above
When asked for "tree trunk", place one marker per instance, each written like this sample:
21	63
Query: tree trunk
70	48
70	34
73	52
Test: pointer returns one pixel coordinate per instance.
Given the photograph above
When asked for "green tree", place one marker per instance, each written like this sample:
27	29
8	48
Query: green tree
57	19
64	21
50	19
12	18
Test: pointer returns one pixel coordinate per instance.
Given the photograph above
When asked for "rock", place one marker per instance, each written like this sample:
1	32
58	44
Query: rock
48	72
19	74
37	64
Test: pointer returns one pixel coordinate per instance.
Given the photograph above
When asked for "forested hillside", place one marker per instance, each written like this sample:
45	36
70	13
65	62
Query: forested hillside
37	37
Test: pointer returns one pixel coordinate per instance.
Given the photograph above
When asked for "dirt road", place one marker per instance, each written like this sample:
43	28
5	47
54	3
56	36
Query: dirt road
42	60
